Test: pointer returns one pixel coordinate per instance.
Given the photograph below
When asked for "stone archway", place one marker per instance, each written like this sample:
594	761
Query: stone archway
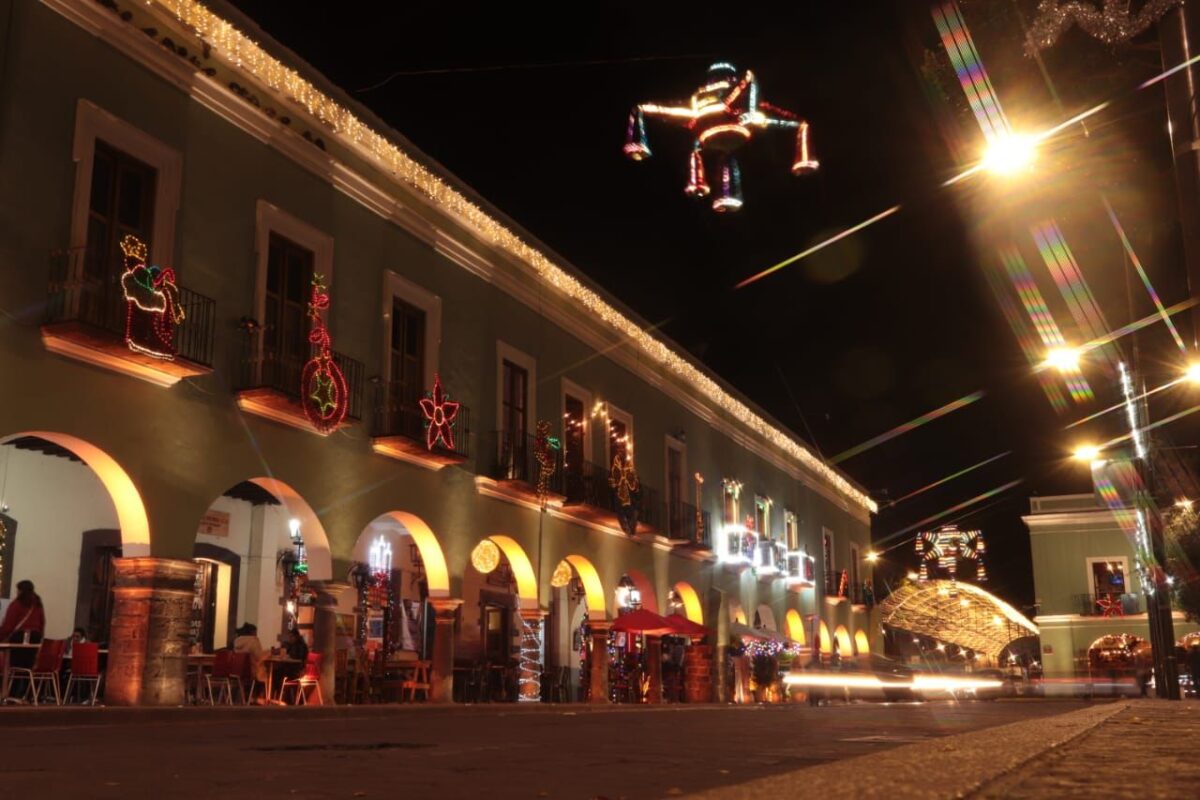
692	607
765	616
795	627
862	644
825	643
845	646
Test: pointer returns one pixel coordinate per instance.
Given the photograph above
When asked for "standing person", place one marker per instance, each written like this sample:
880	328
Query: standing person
25	621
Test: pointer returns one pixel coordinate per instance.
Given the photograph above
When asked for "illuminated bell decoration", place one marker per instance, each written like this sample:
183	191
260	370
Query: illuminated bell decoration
152	309
323	391
486	556
562	575
722	115
440	412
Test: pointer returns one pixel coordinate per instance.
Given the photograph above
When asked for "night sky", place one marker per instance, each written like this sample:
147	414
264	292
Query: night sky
530	108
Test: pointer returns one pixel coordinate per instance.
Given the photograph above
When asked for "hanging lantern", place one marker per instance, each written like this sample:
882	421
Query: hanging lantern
486	556
562	575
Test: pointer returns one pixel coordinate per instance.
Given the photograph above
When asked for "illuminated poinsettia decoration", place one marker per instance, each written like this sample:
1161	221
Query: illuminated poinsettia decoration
440	412
323	391
152	303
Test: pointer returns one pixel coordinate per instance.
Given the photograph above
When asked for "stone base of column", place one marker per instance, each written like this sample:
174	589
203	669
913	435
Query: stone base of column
697	674
442	672
150	632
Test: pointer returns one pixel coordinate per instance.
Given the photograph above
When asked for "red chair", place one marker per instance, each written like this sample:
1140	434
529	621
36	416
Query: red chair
85	669
221	677
44	672
311	678
242	670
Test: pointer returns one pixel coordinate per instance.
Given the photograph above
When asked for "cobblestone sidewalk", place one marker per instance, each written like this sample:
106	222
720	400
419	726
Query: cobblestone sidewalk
1148	750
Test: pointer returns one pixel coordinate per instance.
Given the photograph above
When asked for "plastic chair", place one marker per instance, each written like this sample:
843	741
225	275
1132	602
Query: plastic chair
85	669
419	682
310	679
220	677
43	673
241	669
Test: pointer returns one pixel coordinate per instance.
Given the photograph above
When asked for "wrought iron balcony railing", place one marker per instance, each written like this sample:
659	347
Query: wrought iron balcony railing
261	367
396	415
589	484
683	522
1108	605
514	458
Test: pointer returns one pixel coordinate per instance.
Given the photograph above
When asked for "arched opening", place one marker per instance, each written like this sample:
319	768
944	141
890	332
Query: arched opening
691	602
498	585
764	617
795	626
68	510
862	643
257	547
825	643
576	599
737	613
645	587
845	647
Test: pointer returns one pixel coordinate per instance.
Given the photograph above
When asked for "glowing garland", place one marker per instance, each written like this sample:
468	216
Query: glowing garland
529	684
152	309
1113	23
946	546
486	556
624	481
245	55
323	391
544	448
722	115
440	412
561	577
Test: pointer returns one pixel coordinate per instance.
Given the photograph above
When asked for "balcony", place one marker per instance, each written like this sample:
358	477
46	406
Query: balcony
398	430
86	320
591	496
1108	605
268	384
687	526
512	469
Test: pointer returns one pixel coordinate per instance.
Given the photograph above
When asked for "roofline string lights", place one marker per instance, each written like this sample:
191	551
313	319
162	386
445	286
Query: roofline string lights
242	53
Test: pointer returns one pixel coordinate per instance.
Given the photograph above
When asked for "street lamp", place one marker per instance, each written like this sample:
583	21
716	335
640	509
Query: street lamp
1087	453
871	556
1063	359
1009	154
1192	373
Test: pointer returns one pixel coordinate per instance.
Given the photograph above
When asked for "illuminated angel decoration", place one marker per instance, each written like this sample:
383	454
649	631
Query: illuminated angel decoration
723	115
947	546
545	449
624	480
152	303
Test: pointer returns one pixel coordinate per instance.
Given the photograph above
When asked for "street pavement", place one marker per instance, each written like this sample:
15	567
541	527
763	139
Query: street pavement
467	752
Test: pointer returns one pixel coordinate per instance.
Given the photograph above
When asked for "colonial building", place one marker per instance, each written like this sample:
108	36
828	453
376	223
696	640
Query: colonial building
239	312
1091	606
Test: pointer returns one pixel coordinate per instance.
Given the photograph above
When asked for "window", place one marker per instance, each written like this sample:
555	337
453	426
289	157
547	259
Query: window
513	395
516	375
729	510
791	532
1107	576
620	436
285	317
762	516
407	352
854	587
576	435
827	562
121	203
676	487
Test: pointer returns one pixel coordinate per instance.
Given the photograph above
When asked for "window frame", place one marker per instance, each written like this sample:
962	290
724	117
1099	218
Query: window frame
830	569
506	352
790	523
1091	580
731	488
678	445
624	417
398	287
763	502
269	219
569	387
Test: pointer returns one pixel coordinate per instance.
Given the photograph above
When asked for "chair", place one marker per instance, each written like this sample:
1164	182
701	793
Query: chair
309	679
343	677
419	682
241	670
221	677
562	688
360	681
85	669
44	671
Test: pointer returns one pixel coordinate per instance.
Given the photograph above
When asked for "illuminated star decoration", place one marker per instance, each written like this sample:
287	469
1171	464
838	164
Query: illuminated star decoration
544	448
1110	606
946	546
152	303
439	411
722	115
324	395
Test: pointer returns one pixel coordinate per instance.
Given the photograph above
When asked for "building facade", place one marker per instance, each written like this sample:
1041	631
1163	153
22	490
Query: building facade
166	479
1089	595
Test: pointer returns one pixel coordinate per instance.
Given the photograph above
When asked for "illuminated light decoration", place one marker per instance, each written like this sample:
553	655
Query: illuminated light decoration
379	557
152	310
529	682
562	575
486	556
723	115
439	412
544	448
801	568
623	478
768	556
323	392
937	413
3	546
946	546
243	54
1131	411
844	584
1112	23
1009	154
771	647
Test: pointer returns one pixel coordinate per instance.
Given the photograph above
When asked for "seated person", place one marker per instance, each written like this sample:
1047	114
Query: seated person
295	647
247	642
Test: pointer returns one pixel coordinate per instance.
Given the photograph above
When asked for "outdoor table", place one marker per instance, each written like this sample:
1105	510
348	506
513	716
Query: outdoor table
202	662
272	661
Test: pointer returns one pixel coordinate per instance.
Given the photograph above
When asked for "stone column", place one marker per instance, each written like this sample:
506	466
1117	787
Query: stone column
529	683
599	662
150	632
325	634
442	673
697	674
654	665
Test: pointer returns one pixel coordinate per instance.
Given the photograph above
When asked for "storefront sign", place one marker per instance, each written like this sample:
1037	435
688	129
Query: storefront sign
1048	649
214	523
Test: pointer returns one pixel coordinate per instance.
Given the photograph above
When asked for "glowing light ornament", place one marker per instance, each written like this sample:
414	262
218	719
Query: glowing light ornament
1113	23
544	448
440	412
624	480
151	302
486	556
723	114
946	546
323	392
1110	606
529	682
561	577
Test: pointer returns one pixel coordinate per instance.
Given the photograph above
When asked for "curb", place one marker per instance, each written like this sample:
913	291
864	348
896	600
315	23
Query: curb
952	766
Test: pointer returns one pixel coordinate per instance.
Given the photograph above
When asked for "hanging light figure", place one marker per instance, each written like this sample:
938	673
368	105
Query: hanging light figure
722	114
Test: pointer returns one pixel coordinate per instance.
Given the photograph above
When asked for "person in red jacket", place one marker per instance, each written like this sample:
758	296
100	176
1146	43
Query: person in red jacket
25	615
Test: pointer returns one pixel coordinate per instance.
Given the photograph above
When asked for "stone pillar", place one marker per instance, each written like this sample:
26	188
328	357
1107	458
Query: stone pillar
325	634
529	682
599	662
445	610
654	669
697	674
150	632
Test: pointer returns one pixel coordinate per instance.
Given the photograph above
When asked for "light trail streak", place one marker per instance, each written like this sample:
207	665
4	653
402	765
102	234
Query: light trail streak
899	430
958	507
1121	404
1160	423
949	478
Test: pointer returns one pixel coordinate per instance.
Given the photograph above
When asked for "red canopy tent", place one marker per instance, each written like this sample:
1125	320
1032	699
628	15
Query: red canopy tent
685	627
646	622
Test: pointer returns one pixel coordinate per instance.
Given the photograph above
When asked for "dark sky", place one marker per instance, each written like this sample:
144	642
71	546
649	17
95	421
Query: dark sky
874	332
